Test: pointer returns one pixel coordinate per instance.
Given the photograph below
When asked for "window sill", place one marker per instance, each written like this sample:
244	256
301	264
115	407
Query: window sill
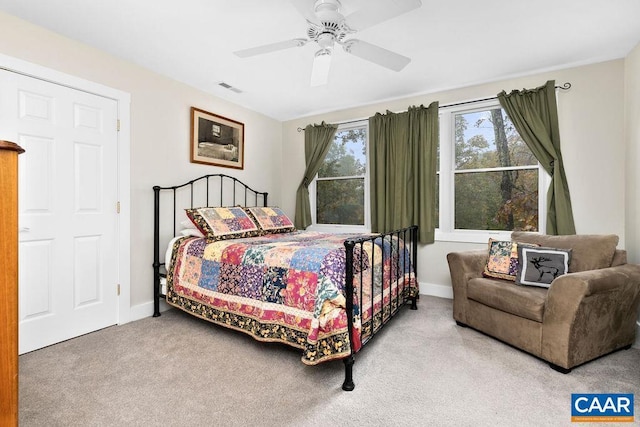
471	236
337	229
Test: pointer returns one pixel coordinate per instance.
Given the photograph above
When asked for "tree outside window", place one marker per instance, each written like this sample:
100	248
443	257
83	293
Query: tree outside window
488	179
341	183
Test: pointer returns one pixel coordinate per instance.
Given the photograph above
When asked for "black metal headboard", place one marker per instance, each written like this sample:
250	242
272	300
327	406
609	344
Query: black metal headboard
201	192
205	191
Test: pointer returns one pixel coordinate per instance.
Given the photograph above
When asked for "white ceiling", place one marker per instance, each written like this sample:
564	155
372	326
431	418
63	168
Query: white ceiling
452	43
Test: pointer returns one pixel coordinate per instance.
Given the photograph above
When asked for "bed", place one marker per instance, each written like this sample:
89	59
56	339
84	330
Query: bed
326	294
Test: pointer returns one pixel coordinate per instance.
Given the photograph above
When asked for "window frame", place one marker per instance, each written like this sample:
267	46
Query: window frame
344	228
446	172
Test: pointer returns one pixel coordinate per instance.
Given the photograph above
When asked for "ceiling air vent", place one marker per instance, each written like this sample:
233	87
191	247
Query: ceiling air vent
231	88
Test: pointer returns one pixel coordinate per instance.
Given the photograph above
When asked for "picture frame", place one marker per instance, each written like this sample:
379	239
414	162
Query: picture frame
216	140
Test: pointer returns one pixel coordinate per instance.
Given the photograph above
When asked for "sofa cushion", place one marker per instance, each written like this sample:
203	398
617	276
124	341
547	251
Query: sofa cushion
589	251
539	266
523	301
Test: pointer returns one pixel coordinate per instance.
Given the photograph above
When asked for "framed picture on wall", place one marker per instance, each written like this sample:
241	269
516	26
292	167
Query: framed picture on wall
216	140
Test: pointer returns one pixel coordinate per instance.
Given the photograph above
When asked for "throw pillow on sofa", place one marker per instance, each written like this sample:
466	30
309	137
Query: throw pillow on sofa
503	259
539	266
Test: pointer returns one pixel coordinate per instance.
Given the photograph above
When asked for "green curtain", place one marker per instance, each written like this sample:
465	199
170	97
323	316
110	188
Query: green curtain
317	140
534	114
402	163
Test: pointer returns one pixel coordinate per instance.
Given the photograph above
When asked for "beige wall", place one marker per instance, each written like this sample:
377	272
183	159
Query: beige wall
591	124
632	133
160	126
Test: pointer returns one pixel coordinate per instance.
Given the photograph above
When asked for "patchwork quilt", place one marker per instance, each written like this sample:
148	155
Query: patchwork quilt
290	287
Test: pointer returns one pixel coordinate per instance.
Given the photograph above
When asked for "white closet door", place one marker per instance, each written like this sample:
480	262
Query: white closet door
67	204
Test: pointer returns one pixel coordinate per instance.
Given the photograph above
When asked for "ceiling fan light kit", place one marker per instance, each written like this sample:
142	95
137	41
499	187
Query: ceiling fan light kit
327	27
321	66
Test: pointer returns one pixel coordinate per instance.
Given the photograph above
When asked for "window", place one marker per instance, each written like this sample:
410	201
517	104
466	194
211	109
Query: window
341	188
489	180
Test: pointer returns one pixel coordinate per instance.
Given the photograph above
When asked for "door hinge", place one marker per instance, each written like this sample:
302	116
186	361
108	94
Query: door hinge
118	207
118	125
118	289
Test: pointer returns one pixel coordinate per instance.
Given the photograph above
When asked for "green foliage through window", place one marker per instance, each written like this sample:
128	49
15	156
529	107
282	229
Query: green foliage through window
340	186
495	174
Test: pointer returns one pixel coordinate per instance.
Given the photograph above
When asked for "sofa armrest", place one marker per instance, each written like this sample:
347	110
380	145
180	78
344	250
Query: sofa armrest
463	267
590	313
584	283
619	257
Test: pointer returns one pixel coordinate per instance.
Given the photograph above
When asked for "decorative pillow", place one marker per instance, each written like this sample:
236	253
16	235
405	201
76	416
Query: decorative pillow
503	260
223	223
271	219
539	266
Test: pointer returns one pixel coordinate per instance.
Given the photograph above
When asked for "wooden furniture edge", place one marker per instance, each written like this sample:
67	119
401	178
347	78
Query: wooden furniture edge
11	146
9	390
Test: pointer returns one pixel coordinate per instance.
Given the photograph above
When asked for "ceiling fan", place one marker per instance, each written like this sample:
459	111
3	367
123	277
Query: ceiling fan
328	27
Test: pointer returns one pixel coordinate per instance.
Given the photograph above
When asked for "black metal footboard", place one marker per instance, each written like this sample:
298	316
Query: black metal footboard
400	249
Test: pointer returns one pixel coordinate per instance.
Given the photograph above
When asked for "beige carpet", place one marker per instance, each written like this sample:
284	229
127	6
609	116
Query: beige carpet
422	370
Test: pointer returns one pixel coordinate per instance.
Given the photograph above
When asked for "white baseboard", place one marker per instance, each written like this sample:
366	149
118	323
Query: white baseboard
141	311
436	290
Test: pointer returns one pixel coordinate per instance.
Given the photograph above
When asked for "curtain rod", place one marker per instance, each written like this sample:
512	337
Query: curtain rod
564	86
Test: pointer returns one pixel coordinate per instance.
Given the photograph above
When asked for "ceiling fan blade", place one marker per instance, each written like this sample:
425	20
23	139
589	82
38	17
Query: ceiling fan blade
321	66
305	8
272	47
379	11
376	54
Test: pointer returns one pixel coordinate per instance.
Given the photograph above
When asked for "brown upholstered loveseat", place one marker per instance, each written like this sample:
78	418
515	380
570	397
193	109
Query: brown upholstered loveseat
584	314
